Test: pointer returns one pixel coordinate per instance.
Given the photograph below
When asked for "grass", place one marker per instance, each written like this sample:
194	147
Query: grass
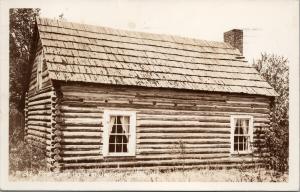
205	175
28	164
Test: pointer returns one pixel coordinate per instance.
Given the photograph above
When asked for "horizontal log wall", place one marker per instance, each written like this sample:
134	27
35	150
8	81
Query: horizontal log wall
173	127
38	118
42	123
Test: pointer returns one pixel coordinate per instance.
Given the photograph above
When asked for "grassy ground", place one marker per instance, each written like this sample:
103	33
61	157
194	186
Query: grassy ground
29	165
231	175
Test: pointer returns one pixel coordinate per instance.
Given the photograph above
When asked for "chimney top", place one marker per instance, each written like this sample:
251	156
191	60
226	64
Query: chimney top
235	38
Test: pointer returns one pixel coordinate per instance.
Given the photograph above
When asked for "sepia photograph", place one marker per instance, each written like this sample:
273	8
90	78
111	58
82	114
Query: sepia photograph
174	95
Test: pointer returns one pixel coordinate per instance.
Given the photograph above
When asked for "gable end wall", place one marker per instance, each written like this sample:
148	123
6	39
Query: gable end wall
40	109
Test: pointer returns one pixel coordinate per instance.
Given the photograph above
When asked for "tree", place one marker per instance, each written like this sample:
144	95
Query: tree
21	26
275	71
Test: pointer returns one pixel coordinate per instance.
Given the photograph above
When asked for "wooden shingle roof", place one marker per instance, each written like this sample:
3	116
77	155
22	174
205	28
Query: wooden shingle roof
85	53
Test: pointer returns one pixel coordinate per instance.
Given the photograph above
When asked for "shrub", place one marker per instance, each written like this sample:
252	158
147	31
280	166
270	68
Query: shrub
23	157
275	71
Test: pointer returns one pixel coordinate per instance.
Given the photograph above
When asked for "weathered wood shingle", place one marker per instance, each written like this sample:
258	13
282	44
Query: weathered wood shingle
84	53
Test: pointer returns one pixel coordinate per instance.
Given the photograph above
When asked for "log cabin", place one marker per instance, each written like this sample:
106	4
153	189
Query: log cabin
99	97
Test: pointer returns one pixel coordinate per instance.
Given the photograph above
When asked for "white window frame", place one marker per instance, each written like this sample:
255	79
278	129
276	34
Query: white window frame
232	125
132	128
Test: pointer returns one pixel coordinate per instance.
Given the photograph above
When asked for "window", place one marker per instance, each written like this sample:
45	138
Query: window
39	75
119	133
241	134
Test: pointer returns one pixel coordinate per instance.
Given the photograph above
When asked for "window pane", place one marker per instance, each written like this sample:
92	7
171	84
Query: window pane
114	129
247	123
245	126
119	148
125	140
126	128
237	125
247	143
125	148
241	146
240	139
112	138
235	146
126	120
118	138
241	132
111	147
236	130
235	139
119	129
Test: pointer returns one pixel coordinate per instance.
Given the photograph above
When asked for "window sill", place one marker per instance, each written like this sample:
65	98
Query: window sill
244	153
119	155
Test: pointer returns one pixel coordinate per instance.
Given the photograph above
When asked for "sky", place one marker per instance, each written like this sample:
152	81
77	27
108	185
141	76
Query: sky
270	26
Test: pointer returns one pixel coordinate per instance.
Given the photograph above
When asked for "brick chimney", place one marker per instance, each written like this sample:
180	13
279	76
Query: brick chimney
235	38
